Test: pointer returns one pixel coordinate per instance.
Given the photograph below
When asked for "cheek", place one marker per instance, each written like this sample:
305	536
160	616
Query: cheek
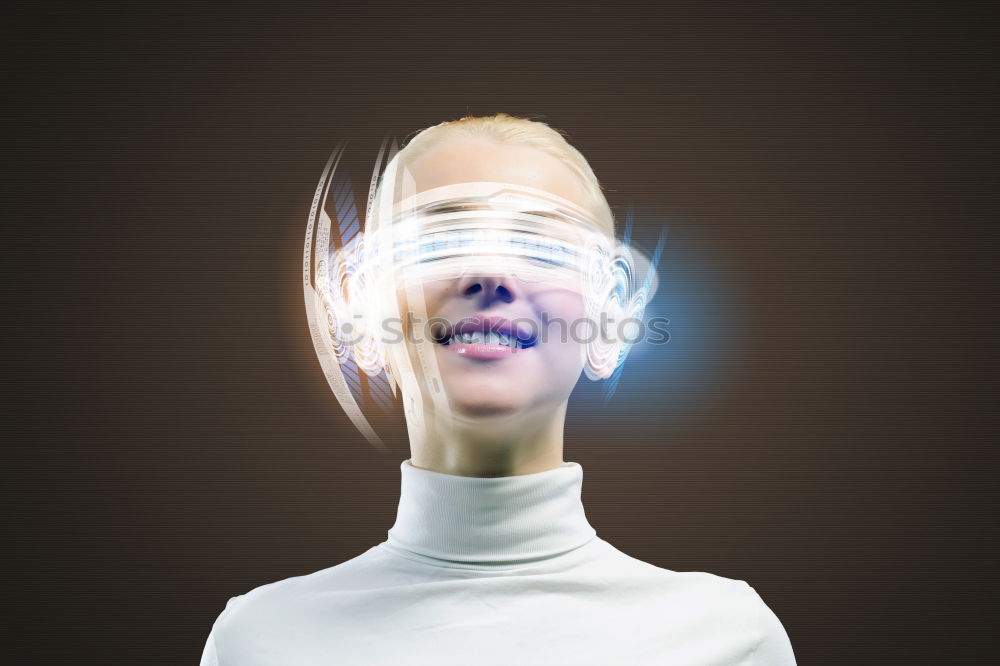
416	325
434	294
564	303
560	307
564	329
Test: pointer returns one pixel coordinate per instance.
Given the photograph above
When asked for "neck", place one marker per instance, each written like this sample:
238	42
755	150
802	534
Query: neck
490	520
527	445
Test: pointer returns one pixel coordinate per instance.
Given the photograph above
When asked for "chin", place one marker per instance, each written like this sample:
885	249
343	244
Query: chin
481	408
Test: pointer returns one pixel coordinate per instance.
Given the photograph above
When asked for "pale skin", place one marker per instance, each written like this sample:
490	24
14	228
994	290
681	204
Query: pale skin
507	415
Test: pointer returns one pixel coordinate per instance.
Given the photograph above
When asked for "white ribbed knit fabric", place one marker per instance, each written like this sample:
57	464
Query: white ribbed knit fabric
490	571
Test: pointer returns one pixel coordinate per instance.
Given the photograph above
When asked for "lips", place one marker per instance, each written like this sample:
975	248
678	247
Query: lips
486	332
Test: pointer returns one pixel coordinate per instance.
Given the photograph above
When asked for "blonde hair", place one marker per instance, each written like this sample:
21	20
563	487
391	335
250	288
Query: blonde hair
509	129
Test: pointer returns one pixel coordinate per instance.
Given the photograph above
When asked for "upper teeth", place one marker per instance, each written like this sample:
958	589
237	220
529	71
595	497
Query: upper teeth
485	337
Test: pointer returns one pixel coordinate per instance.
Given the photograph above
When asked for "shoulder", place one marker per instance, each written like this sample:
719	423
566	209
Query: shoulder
715	604
695	583
284	606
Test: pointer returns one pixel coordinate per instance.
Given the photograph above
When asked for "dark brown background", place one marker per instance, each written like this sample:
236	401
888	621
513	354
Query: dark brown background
833	167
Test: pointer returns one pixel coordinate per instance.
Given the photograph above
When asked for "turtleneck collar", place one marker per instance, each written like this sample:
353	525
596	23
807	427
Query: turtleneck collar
490	519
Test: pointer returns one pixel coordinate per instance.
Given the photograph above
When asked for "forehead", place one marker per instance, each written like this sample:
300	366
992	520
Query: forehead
479	159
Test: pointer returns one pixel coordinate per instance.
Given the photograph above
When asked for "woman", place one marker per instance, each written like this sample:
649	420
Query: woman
491	559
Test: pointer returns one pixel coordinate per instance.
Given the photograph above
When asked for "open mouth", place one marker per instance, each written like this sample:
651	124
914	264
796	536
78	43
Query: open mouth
494	332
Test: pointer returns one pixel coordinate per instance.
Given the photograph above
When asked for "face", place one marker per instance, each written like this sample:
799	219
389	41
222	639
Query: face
488	378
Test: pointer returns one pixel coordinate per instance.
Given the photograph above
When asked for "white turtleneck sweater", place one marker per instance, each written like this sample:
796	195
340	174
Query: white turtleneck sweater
503	570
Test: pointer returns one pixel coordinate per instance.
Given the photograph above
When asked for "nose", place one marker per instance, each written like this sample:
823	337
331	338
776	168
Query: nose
488	289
